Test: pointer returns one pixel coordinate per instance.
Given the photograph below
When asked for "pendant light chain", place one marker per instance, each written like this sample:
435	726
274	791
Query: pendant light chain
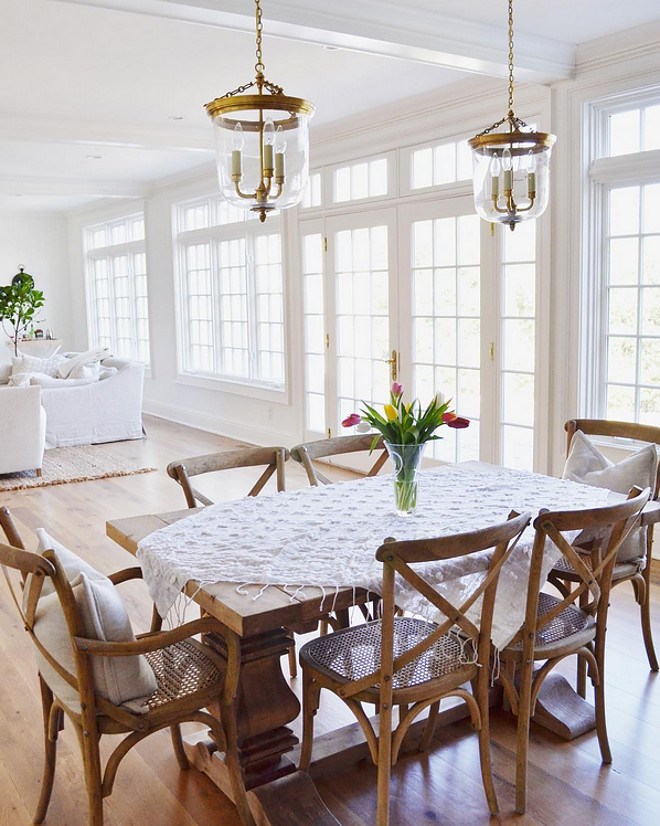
259	66
510	58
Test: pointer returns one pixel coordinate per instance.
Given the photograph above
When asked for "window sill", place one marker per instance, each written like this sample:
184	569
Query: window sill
254	390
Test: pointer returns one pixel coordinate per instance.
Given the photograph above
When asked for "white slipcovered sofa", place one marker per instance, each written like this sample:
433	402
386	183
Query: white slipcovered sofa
24	429
108	410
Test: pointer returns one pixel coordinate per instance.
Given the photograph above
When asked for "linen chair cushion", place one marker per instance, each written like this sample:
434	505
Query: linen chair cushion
24	367
586	464
125	681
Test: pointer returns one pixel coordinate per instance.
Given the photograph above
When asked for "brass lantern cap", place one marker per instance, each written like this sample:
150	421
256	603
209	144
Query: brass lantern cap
534	141
237	103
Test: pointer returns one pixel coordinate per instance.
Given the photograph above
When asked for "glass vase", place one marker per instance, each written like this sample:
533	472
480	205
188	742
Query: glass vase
407	460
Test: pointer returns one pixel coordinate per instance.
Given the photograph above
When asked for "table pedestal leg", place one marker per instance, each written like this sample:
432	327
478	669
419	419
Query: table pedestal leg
264	705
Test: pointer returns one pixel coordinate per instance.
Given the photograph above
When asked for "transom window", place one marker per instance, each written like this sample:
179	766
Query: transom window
117	302
231	291
441	163
633	130
357	181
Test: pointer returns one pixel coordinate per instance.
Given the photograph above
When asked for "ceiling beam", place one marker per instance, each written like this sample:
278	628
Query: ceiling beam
375	27
66	187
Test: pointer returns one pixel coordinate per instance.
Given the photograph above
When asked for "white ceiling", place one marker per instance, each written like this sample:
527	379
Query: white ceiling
101	98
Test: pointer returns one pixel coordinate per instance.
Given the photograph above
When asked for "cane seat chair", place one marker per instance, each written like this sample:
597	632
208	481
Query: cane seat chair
635	571
573	623
409	662
273	458
189	676
308	452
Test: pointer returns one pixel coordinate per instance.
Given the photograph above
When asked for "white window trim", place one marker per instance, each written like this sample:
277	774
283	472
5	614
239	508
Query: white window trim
240	386
603	174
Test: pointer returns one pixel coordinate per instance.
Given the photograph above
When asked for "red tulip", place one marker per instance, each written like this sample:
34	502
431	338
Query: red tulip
448	417
458	422
352	420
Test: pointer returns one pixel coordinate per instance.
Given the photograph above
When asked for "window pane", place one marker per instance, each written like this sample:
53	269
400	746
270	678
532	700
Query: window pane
624	211
624	132
517	447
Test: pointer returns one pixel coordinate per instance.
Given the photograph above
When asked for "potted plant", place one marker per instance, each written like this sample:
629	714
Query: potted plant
18	303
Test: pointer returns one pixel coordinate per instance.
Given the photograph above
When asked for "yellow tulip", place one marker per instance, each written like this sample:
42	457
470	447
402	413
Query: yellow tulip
390	412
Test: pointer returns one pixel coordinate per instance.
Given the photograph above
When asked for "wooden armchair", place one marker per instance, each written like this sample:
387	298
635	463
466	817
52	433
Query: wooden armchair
636	572
272	457
432	661
309	451
188	674
572	624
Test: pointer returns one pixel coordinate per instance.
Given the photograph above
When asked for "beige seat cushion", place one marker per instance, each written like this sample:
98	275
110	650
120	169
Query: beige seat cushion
126	681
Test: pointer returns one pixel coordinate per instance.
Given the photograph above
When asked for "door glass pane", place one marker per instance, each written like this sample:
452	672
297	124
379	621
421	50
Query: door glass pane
313	303
447	326
518	346
362	299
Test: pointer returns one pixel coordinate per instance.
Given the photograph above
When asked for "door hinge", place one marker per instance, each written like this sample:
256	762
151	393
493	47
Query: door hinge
327	341
325	244
329	433
491	350
492	229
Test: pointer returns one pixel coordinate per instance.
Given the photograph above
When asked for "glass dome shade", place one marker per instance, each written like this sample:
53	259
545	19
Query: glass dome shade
511	175
262	150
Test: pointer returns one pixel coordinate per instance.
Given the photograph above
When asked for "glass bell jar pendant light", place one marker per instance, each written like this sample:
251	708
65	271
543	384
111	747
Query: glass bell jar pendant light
262	142
511	168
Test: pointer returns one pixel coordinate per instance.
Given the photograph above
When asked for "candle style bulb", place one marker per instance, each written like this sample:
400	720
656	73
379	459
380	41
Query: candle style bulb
237	142
238	138
280	147
269	140
531	175
506	160
495	177
507	183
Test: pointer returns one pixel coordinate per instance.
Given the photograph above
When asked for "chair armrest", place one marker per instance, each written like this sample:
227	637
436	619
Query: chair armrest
125	575
146	642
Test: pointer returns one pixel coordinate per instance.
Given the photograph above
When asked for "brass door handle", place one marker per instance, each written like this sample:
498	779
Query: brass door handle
393	362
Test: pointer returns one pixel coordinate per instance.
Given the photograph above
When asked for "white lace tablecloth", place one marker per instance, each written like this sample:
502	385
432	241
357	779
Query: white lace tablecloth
327	537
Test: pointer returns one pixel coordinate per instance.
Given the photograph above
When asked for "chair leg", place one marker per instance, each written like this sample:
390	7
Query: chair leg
581	665
524	714
311	701
645	613
89	743
179	751
429	728
293	665
599	696
384	764
480	689
50	754
39	472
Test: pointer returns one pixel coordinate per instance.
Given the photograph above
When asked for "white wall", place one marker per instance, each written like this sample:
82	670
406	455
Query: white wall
39	244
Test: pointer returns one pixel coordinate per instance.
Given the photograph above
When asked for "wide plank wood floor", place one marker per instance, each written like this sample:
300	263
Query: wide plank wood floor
567	782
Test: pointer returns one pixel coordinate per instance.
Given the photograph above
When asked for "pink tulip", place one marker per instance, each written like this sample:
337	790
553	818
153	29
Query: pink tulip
352	420
397	389
458	422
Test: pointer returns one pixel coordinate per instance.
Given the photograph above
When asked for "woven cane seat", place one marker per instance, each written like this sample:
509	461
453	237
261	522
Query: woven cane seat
355	652
181	670
621	570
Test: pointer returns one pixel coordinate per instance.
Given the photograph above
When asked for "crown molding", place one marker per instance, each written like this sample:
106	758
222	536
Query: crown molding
611	50
376	27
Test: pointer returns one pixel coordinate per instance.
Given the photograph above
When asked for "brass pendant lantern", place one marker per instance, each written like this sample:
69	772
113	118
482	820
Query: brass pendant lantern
511	168
262	142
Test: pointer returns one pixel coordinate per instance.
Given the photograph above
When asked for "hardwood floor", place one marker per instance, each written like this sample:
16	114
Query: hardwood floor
567	783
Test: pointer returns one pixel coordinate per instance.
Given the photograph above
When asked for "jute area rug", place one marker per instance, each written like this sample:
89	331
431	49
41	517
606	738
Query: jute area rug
73	464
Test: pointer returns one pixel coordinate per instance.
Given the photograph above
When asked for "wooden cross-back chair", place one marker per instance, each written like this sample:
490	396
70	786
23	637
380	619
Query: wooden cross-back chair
638	572
273	458
190	678
322	448
573	623
411	663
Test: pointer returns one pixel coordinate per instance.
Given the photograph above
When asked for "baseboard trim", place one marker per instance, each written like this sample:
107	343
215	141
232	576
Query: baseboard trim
221	427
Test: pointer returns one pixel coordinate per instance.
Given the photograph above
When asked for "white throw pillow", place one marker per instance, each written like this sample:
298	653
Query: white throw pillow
586	464
5	373
24	367
106	372
127	681
90	358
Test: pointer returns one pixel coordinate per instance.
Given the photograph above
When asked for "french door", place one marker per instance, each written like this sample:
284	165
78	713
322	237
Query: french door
426	292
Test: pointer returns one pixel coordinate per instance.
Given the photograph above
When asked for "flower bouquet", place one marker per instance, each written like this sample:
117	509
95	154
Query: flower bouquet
405	429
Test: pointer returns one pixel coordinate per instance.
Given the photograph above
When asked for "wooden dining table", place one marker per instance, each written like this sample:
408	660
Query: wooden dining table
265	703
